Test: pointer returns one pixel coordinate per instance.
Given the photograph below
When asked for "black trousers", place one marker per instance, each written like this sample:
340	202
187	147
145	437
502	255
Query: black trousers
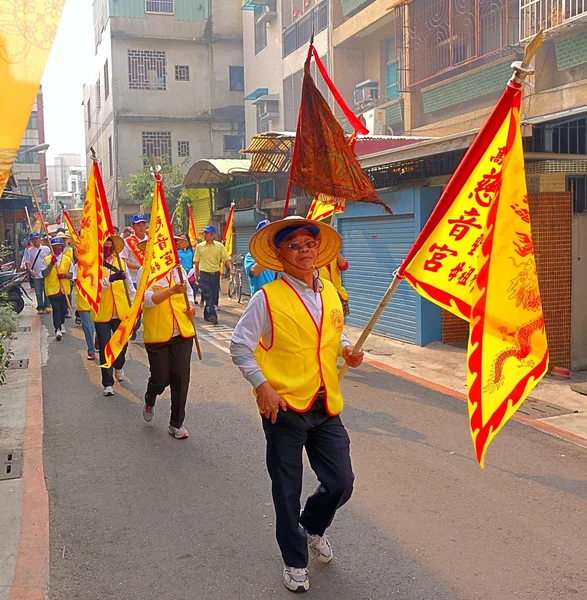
104	332
328	448
210	286
170	364
59	306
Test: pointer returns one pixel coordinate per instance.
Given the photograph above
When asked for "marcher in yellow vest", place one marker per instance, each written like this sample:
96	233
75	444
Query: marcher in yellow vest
118	292
286	344
333	272
58	274
82	311
168	333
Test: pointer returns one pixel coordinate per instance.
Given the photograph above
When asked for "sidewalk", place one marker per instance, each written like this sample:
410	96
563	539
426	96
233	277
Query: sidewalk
552	401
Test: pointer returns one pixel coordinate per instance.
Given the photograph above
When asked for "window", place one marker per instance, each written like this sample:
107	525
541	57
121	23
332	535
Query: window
106	81
147	70
237	79
182	73
156	143
89	107
110	158
260	29
29	158
391	83
577	185
183	149
160	6
563	137
233	143
98	95
33	121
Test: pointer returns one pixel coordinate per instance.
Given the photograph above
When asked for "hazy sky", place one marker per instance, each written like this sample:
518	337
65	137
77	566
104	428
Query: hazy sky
65	74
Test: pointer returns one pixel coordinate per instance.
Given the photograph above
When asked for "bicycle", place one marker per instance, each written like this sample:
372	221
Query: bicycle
235	285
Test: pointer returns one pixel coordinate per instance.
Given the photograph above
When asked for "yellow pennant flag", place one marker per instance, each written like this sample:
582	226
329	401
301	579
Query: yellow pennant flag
323	207
475	258
27	31
228	230
160	258
192	234
95	228
72	231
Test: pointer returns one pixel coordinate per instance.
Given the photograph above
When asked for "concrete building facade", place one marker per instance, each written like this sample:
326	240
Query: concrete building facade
66	181
167	80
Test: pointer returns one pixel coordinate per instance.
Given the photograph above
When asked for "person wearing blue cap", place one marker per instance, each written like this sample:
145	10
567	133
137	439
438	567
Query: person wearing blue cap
34	260
258	275
209	255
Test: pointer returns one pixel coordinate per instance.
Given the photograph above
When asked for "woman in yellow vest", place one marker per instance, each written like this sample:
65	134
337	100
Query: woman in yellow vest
333	272
286	344
118	292
168	332
58	275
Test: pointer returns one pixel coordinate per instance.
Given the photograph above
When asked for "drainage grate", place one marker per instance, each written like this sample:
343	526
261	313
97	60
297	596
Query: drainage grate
21	363
23	329
11	464
537	409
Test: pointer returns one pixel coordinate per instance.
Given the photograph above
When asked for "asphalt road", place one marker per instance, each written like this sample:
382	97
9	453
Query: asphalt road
136	514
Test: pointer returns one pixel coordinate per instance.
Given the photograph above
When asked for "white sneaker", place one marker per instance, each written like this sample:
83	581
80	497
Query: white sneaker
179	433
296	580
58	335
108	391
63	329
119	374
320	548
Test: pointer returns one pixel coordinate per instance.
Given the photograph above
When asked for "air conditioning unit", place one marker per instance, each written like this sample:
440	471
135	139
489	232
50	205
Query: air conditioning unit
366	93
375	121
268	107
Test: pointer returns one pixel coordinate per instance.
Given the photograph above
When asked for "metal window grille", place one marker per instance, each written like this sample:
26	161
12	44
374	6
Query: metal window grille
236	77
110	158
547	14
147	70
183	149
160	6
182	73
156	143
568	137
233	143
577	185
98	95
447	33
106	80
299	34
260	30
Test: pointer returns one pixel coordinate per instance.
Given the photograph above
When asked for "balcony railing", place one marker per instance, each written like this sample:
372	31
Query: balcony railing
298	34
548	14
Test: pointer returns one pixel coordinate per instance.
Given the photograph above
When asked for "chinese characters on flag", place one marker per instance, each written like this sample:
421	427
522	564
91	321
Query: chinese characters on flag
95	228
475	258
160	258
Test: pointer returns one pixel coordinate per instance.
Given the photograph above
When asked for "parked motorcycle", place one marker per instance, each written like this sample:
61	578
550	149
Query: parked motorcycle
11	288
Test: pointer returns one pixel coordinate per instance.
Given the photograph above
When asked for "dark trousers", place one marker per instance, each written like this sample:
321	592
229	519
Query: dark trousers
59	306
328	448
210	286
104	332
170	364
39	286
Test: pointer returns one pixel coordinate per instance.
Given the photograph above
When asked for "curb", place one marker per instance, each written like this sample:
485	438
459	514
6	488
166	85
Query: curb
31	575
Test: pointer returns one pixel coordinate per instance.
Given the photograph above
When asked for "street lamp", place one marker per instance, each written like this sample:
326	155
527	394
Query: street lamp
41	148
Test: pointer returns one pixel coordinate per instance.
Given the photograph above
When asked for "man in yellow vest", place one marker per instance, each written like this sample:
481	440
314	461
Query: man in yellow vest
168	333
286	344
57	274
118	292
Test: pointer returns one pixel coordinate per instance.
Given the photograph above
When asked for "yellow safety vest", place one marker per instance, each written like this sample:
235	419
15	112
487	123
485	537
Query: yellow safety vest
158	320
332	273
68	252
300	357
54	285
113	295
81	303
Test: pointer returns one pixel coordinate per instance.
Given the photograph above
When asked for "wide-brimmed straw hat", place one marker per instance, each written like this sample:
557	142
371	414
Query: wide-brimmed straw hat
117	242
179	242
264	251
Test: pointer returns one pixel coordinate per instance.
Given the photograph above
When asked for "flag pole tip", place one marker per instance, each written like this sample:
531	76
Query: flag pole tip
93	155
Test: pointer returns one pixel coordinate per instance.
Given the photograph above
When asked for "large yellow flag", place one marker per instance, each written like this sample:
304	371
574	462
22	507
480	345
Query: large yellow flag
475	258
27	30
323	207
72	230
160	258
229	230
95	228
192	233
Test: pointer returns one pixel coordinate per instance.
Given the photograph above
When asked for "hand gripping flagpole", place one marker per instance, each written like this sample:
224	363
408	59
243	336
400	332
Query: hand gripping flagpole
156	167
61	289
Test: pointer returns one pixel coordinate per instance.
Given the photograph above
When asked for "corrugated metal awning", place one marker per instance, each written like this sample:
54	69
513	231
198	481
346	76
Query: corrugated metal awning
214	172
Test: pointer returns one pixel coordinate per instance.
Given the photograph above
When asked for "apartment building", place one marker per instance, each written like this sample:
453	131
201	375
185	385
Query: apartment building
167	81
66	181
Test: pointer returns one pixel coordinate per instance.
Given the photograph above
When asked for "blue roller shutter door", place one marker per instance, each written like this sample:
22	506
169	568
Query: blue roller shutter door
243	236
375	247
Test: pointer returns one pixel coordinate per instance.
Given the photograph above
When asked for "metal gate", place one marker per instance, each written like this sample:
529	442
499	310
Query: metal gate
375	247
243	236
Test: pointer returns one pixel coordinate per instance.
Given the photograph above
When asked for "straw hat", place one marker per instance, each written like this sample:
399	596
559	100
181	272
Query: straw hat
117	242
263	250
179	242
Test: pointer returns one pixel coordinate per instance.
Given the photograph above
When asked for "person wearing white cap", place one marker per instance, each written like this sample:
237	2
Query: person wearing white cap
286	345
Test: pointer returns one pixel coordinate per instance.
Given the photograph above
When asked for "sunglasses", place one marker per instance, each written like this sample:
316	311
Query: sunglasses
297	246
